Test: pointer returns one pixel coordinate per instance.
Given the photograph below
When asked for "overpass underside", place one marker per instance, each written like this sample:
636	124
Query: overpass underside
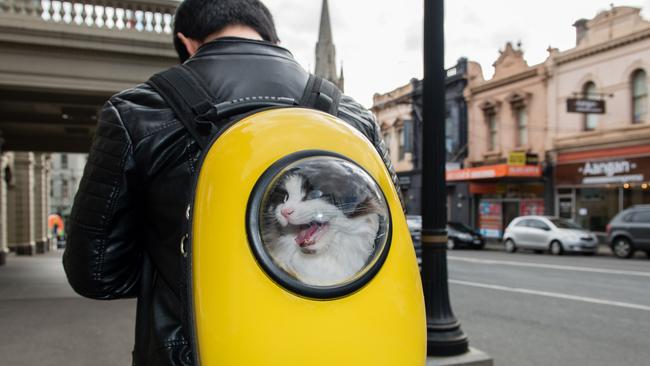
59	63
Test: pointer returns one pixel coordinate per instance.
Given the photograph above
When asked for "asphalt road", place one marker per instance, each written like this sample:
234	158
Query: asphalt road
530	309
522	309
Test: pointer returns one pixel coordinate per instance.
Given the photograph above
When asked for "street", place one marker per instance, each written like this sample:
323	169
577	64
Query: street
530	309
522	309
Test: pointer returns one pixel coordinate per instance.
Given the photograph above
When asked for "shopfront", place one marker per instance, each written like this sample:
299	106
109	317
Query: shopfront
593	186
500	193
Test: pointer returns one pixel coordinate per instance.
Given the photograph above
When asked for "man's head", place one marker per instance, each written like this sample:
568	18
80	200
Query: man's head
197	20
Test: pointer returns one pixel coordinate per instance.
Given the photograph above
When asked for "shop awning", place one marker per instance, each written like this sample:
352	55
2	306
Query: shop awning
495	171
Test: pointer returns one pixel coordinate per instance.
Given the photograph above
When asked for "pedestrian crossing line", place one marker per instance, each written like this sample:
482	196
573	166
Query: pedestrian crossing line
556	295
551	266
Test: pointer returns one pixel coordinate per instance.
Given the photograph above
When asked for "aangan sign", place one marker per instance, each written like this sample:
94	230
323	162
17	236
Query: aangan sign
588	106
622	170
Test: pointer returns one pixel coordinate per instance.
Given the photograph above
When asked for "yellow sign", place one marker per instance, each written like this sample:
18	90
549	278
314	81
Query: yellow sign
517	158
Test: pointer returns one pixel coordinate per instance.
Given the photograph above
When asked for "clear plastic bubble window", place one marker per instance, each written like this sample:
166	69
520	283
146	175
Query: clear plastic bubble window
323	222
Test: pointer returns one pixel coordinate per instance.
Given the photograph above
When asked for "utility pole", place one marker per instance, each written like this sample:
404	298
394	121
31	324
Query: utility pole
444	335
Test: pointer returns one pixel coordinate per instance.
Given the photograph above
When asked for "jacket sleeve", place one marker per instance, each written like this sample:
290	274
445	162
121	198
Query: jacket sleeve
102	258
363	120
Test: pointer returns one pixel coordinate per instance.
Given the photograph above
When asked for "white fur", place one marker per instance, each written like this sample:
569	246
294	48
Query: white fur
341	250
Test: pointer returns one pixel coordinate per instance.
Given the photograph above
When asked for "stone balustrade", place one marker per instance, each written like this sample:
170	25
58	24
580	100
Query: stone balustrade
151	16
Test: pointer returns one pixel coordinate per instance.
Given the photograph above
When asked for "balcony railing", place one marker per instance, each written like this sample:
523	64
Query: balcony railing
152	16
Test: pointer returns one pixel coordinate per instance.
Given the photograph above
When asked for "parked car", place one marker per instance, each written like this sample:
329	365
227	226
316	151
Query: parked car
414	223
541	233
461	235
629	231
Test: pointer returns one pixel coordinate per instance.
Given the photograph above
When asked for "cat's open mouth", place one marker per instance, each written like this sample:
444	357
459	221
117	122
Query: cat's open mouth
310	233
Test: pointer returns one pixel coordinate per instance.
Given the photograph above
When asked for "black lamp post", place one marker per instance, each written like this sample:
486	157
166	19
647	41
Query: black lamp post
444	335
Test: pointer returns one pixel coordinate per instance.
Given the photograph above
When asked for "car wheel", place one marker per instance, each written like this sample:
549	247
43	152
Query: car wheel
510	246
482	246
647	253
451	244
556	248
622	248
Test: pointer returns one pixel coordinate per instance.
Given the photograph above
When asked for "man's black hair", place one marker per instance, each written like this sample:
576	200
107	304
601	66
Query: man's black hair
197	19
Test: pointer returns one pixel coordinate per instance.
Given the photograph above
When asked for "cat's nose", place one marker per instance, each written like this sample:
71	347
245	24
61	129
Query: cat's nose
286	212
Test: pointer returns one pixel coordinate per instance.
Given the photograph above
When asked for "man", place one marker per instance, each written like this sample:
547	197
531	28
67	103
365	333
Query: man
129	213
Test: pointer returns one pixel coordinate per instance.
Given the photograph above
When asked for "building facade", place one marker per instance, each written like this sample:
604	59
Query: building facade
603	158
506	158
399	114
66	173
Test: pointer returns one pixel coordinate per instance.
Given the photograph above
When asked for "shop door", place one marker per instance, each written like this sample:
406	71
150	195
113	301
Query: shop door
565	206
510	212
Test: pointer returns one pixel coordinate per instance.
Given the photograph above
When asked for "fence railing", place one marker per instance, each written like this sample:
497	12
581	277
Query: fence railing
153	16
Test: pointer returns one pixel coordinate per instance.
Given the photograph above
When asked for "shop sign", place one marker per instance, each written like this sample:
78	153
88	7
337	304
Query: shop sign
587	106
495	171
490	219
522	158
629	170
517	158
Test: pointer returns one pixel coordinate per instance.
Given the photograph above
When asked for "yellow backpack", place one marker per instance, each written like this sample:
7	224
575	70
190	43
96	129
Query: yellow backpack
298	252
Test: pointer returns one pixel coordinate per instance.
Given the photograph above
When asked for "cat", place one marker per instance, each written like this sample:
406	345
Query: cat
322	230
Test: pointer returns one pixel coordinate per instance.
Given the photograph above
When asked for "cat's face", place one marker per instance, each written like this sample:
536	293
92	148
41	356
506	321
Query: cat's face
305	212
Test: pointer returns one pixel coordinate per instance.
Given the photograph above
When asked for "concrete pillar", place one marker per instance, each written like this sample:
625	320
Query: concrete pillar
4	248
20	205
40	202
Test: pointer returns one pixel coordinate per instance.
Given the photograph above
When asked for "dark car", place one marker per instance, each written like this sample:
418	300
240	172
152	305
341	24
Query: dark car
461	235
629	231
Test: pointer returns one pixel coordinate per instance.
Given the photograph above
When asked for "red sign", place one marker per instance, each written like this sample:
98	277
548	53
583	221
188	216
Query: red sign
495	171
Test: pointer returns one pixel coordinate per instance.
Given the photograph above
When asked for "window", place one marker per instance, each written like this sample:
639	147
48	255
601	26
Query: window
523	223
401	145
522	126
387	140
639	96
65	191
641	216
538	225
407	136
64	161
492	131
589	92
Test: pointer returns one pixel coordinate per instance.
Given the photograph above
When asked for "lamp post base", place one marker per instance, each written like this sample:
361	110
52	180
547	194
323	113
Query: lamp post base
472	357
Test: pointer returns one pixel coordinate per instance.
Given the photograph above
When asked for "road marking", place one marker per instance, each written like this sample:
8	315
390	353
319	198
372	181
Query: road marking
553	294
551	266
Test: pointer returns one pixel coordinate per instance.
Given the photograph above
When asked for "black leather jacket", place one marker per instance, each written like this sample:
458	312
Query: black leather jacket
129	213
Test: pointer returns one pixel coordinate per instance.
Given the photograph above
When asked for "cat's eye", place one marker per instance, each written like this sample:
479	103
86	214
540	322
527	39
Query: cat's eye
314	195
291	242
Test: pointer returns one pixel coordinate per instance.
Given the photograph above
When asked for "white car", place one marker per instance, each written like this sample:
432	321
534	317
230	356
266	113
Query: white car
541	233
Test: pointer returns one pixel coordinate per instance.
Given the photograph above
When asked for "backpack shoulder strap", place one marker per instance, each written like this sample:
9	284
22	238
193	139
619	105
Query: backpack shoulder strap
188	97
321	94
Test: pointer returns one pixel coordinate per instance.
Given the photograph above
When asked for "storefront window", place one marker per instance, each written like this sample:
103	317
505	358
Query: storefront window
596	206
636	195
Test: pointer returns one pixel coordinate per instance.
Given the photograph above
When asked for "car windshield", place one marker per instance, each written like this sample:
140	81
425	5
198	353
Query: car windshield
460	227
565	224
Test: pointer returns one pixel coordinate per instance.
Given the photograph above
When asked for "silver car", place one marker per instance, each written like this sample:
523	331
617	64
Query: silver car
541	233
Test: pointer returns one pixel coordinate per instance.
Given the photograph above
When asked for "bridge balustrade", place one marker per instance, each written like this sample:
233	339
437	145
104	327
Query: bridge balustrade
149	16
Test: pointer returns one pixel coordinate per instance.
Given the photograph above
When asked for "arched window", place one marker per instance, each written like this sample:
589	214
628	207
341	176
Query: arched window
589	92
639	96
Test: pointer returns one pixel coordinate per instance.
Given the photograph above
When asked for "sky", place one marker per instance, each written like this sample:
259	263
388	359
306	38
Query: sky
379	42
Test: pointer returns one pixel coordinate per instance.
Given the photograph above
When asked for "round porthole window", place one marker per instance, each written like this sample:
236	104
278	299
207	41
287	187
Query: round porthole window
319	224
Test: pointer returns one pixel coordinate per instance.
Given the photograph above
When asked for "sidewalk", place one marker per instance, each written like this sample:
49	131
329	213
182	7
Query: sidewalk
43	322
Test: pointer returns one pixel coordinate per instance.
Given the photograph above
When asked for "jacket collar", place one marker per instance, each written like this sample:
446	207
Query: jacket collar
235	45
